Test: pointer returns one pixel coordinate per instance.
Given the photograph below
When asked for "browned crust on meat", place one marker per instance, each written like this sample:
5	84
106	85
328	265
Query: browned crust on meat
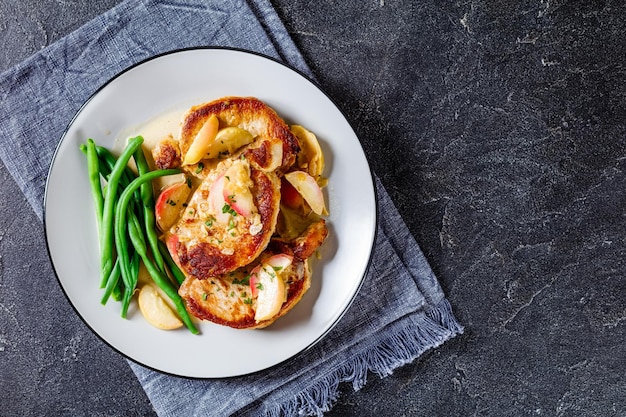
260	155
166	155
305	245
248	113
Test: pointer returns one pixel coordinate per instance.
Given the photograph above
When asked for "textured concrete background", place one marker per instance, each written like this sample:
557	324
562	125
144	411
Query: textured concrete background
498	128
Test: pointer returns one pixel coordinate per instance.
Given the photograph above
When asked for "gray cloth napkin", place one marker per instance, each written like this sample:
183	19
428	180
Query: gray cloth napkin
400	311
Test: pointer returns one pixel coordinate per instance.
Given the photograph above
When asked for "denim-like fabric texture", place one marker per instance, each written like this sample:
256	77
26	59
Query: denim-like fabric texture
400	311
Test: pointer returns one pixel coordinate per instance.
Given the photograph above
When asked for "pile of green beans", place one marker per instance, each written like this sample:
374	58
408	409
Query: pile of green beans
124	208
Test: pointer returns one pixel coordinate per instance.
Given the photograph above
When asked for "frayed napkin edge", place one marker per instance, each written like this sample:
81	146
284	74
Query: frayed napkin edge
403	345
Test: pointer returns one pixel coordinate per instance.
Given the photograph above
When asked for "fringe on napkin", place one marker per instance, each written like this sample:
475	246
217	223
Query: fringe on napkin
402	346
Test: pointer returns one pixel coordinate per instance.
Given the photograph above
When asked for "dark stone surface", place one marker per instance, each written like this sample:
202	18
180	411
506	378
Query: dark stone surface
498	129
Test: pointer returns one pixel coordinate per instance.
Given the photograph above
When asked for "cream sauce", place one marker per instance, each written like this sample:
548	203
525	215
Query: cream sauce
153	132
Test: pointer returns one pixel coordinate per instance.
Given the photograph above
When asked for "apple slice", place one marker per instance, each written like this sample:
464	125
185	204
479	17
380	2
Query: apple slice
309	189
279	262
217	201
155	310
228	140
203	141
172	246
289	196
271	287
276	156
237	184
271	295
254	281
276	263
310	156
169	204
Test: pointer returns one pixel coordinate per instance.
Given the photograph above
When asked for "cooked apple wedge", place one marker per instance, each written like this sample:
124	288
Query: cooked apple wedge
202	143
309	189
269	287
310	157
171	242
228	140
155	310
170	202
289	196
217	201
237	185
279	262
276	156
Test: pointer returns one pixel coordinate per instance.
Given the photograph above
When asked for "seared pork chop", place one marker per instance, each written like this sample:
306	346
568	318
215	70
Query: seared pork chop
211	238
229	300
231	216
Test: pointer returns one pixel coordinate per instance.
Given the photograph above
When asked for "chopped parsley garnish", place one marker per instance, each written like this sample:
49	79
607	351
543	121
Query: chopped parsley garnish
259	286
243	281
209	221
188	181
228	209
204	296
199	168
171	202
247	300
277	268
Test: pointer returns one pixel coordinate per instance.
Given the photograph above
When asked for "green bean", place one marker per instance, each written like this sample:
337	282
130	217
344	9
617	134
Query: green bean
118	290
121	213
106	163
174	269
112	282
109	160
106	236
106	166
131	284
160	279
122	243
147	198
93	169
127	199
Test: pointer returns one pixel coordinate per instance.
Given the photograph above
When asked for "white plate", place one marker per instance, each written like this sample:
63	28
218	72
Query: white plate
176	81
